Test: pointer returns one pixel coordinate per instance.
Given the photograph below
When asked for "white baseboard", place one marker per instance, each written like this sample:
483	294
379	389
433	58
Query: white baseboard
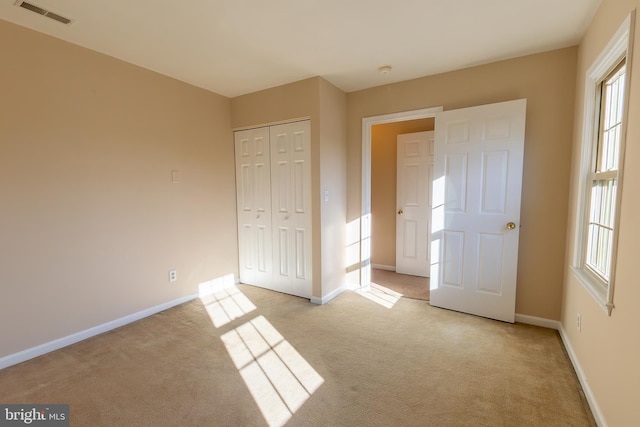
325	299
557	325
538	321
384	267
30	353
353	286
582	377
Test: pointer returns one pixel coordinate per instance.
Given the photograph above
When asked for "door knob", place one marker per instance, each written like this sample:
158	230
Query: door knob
400	212
511	225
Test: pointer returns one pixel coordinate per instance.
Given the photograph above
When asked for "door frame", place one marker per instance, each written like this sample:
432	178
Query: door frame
365	217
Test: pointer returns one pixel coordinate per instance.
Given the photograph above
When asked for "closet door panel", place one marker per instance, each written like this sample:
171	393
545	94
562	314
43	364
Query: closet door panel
292	194
253	187
301	260
273	182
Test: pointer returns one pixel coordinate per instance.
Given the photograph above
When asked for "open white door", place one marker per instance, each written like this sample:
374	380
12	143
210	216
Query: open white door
476	209
413	195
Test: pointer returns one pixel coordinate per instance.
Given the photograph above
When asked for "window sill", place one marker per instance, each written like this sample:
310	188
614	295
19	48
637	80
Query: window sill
597	291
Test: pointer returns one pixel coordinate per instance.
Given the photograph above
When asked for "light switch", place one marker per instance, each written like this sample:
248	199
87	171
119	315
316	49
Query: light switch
326	195
175	176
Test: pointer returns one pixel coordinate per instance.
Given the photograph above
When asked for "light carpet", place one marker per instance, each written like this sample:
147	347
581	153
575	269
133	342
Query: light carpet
252	357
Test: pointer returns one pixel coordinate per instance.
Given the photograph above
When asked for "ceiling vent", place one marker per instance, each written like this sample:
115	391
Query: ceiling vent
43	12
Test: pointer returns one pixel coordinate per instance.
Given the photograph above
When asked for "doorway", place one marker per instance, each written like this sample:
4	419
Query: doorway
477	184
379	196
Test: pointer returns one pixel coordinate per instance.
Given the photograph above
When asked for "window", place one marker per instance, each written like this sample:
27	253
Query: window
604	177
601	168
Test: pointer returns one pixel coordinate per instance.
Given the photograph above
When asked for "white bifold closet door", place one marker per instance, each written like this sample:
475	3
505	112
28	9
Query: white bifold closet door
273	174
253	187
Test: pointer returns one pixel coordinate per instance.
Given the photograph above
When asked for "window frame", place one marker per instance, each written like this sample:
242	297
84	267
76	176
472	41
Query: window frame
596	172
617	50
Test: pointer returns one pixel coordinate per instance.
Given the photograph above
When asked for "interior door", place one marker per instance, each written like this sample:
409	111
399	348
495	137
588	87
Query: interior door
413	194
291	201
253	185
476	209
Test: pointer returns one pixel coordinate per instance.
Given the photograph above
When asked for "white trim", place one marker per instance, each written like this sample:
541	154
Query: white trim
30	353
365	229
582	377
325	299
384	267
620	45
268	124
351	287
599	293
538	321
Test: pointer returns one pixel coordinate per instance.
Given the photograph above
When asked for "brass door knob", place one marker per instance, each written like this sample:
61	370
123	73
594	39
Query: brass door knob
511	225
400	212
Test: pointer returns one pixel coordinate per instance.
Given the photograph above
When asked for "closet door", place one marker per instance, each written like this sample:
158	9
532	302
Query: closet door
291	207
253	187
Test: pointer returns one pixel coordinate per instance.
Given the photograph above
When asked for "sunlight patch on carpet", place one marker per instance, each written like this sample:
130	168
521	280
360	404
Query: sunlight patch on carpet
278	377
381	295
224	301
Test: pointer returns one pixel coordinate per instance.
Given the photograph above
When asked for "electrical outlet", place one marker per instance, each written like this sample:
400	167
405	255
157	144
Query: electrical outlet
173	275
579	322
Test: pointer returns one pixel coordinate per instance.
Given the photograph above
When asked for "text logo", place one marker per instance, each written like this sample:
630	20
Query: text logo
34	415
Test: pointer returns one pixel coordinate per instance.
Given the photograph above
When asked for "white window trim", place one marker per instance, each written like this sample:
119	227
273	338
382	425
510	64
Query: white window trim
620	46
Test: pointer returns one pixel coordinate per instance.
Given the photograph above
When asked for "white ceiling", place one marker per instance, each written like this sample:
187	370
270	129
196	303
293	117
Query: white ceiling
233	47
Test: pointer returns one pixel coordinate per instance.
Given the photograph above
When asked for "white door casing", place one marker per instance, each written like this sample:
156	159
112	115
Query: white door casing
413	206
476	209
253	185
291	201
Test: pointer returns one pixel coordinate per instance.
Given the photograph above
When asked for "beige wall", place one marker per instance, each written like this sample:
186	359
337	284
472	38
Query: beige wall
333	179
608	348
91	222
283	103
547	80
325	105
384	167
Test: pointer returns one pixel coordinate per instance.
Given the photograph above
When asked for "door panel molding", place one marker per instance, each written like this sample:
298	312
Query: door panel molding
413	218
477	191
